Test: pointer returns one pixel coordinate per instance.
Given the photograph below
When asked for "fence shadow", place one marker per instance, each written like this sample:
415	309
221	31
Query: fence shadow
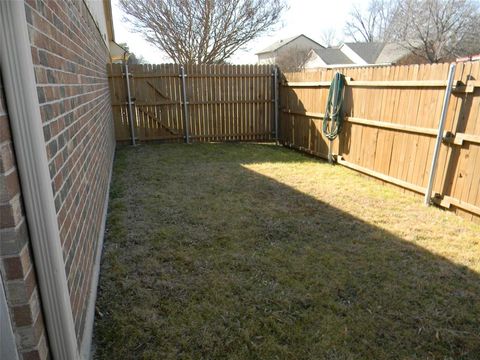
215	254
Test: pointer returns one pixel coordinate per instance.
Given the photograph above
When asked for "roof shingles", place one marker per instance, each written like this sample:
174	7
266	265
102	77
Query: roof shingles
368	51
333	56
278	44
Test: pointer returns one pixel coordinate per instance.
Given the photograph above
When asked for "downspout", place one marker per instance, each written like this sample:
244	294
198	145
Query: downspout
26	124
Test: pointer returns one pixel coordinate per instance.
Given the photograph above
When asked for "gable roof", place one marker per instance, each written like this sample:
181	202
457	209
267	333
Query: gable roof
368	51
392	52
332	56
280	43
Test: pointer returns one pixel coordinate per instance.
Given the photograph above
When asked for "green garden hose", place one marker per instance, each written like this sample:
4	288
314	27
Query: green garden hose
333	119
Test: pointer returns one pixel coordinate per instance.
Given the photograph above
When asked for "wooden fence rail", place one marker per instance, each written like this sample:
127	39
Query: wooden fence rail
224	102
392	116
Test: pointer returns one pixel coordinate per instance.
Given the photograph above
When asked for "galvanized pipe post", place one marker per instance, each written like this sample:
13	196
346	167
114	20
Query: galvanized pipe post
129	102
438	142
330	151
275	101
185	104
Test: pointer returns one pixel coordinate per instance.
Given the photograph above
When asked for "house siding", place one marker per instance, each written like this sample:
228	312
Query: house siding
266	58
16	262
314	61
70	60
352	55
97	10
297	45
300	44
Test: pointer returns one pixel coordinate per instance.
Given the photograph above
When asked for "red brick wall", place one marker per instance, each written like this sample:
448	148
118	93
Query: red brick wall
70	62
16	263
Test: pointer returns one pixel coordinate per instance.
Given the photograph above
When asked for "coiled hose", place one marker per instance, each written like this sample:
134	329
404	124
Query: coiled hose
333	119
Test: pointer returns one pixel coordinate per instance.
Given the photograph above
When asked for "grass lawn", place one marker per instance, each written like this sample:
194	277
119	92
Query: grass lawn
253	251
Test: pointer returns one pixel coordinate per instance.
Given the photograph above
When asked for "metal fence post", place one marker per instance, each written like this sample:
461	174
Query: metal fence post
275	101
441	127
129	102
185	104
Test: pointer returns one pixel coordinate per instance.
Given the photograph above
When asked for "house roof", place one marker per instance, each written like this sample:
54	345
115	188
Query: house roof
117	52
392	52
379	52
368	51
280	43
332	56
469	58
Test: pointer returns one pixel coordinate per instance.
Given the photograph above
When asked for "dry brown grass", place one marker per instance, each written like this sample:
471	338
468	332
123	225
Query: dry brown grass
250	251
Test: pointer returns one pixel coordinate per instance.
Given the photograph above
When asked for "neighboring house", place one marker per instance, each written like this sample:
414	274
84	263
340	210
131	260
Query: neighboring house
469	58
361	54
56	153
327	57
285	48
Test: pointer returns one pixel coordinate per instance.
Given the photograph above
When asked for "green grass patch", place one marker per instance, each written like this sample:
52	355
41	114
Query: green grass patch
253	251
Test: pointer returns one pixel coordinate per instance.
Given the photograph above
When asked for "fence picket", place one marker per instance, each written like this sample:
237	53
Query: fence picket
392	153
234	102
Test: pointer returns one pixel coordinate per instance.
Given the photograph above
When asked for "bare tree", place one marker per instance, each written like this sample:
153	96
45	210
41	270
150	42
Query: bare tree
329	37
374	23
132	58
434	30
440	30
293	60
202	31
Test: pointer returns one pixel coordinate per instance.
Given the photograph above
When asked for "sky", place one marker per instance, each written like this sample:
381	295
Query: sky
308	17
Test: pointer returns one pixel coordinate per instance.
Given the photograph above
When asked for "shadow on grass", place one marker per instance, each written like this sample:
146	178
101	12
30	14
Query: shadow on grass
207	259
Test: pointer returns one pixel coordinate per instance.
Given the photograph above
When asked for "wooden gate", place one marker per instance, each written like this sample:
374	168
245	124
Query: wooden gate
223	102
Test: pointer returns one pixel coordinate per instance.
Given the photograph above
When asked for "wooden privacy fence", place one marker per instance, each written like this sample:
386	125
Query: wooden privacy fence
392	117
194	103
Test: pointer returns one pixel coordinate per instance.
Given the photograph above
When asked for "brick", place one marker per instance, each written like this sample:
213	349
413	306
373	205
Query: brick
15	258
16	267
29	336
31	355
12	240
11	213
7	157
40	73
34	54
41	95
52	148
70	60
4	126
20	291
9	186
13	268
39	353
22	315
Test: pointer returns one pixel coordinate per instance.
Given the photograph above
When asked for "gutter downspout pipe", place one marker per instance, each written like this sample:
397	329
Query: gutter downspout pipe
28	140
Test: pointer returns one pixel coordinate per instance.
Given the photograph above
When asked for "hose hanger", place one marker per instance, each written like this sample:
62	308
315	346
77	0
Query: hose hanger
334	117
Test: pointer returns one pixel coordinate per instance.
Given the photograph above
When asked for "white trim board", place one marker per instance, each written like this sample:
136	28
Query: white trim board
31	156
